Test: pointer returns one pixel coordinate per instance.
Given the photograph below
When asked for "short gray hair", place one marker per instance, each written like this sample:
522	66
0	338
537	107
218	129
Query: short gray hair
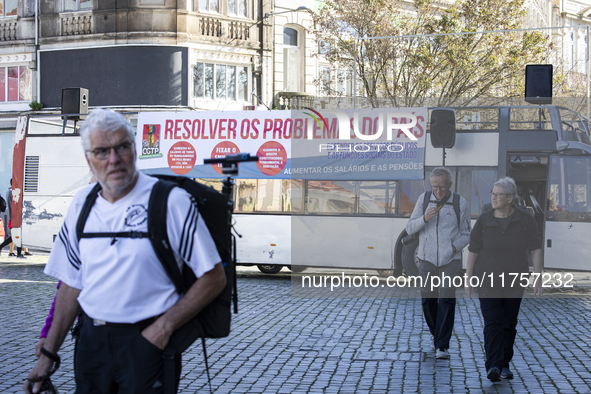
104	120
439	171
508	185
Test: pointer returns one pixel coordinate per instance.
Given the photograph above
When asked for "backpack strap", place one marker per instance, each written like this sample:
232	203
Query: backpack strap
157	210
90	200
426	200
83	217
456	204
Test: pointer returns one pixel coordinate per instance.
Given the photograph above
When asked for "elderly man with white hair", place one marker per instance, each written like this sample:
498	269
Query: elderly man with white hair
130	306
444	230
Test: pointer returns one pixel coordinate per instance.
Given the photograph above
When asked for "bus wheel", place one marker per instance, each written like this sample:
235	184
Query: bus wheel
269	269
409	259
297	268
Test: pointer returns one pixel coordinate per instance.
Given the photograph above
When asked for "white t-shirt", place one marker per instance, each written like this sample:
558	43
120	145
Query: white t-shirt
121	280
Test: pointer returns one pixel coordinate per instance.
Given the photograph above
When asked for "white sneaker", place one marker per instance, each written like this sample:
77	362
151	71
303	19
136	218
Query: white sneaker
442	354
432	342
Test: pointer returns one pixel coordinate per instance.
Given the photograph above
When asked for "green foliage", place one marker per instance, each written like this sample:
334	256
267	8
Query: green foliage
35	106
433	64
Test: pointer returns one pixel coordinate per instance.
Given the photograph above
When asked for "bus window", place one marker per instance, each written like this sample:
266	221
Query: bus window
409	193
476	118
269	195
294	201
372	197
472	184
535	118
348	197
264	195
330	197
211	182
245	195
571	121
482	184
569	189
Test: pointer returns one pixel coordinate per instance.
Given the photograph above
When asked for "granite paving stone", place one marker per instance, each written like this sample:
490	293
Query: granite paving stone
281	343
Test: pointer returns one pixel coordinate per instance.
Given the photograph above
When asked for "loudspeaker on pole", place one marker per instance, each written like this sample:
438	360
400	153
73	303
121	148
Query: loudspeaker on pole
443	128
538	83
74	101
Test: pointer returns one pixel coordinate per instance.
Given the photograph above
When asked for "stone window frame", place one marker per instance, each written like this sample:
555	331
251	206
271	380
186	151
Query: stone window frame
65	5
23	95
3	13
214	67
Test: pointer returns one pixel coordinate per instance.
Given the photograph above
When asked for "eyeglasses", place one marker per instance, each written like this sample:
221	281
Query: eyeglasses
439	187
496	195
122	149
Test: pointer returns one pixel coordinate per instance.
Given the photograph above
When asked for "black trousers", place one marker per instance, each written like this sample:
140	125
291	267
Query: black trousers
8	241
500	320
439	303
118	359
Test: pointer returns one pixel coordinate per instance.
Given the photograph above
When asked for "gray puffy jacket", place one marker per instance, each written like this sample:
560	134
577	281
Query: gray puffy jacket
438	237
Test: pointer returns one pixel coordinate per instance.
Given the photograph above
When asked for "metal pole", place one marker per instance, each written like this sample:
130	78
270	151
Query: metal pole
587	59
355	74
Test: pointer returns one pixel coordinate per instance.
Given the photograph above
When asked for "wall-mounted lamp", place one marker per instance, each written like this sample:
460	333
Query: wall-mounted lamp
301	8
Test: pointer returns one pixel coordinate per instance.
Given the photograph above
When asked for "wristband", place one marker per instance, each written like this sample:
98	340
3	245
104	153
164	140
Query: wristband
50	355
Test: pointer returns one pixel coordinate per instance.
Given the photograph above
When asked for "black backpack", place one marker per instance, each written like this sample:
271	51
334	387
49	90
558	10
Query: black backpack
2	204
214	320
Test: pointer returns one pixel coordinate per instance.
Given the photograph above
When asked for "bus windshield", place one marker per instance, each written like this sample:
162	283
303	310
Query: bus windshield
569	192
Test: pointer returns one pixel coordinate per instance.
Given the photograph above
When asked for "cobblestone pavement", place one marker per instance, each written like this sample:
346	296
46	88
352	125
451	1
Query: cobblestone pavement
283	344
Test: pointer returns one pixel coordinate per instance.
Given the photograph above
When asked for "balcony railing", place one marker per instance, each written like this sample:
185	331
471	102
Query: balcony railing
76	24
211	27
221	27
238	30
295	100
8	31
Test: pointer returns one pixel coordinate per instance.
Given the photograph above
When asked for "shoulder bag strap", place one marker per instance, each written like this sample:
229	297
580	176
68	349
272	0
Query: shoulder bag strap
86	208
157	210
456	203
426	200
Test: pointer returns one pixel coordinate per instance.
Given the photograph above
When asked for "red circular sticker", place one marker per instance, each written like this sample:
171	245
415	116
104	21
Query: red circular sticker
272	158
221	150
181	157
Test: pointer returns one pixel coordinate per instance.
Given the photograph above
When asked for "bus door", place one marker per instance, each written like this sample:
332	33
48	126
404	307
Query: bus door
568	216
531	175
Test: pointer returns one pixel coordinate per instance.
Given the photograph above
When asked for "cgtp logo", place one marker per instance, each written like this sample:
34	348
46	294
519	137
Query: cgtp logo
150	141
344	122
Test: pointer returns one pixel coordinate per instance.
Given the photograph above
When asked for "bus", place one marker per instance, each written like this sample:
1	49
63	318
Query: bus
360	224
324	220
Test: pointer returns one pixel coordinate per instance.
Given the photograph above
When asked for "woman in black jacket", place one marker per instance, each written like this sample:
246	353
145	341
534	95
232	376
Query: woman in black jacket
498	246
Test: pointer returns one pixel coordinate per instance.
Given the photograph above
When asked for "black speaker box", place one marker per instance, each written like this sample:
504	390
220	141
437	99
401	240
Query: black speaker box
443	128
538	83
74	101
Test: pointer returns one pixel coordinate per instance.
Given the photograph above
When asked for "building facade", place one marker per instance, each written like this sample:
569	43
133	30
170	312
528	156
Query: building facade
202	54
131	55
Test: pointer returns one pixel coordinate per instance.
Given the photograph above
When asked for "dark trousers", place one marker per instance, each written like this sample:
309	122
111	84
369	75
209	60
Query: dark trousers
439	303
117	359
8	241
500	320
